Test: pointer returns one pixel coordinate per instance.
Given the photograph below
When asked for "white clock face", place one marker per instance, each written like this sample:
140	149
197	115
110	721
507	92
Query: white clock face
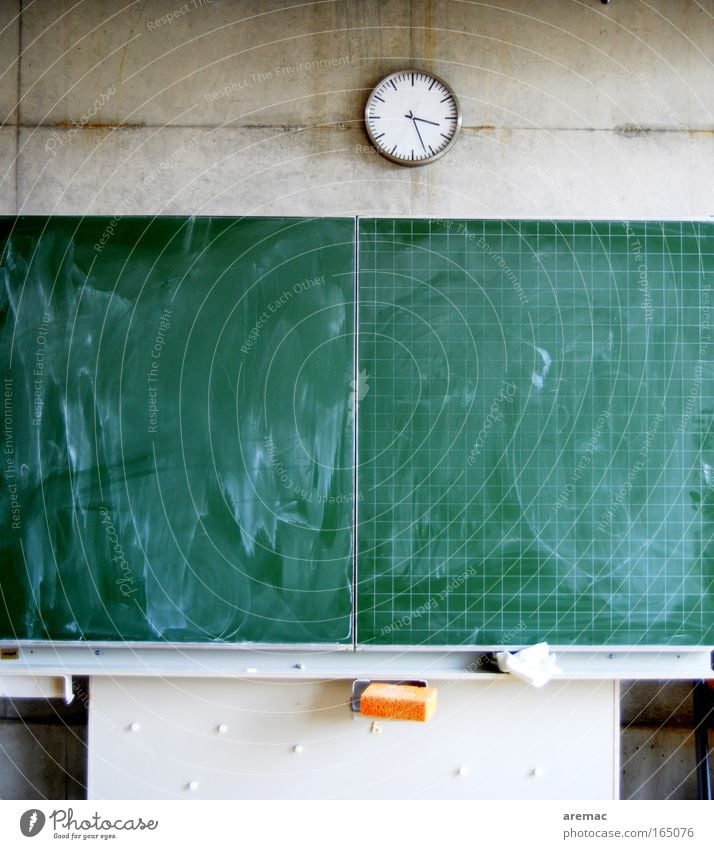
412	117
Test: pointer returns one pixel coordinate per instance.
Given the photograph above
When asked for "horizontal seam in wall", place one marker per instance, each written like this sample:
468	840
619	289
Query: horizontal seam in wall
341	126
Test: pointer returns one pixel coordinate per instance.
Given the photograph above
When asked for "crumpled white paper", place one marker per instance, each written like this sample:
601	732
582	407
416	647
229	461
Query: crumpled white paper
535	665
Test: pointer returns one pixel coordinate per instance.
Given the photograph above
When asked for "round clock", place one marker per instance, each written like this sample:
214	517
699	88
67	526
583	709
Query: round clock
412	117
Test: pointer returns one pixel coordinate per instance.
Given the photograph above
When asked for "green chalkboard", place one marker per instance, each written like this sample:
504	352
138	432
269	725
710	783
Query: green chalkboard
534	408
177	438
536	455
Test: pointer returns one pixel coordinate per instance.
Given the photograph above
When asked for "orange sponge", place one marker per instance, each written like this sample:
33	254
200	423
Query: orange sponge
398	701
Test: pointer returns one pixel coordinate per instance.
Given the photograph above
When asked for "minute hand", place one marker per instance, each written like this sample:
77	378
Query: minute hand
424	121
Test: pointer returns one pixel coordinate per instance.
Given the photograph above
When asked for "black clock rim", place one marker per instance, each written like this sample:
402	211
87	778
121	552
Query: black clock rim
407	162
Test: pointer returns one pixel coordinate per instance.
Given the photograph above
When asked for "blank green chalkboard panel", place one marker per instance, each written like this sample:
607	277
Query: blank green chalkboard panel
536	456
177	429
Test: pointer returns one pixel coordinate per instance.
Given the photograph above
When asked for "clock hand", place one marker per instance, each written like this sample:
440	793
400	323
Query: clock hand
419	134
413	120
424	121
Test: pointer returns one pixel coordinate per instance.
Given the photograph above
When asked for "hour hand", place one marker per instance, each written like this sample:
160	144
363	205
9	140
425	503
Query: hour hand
413	120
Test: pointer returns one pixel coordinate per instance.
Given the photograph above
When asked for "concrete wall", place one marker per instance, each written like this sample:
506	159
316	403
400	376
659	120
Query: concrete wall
43	747
657	753
571	109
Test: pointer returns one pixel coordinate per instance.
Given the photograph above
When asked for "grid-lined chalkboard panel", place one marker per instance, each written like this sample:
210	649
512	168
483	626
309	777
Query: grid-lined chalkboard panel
536	459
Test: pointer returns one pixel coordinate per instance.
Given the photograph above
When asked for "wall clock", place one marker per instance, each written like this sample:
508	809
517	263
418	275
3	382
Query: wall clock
412	117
